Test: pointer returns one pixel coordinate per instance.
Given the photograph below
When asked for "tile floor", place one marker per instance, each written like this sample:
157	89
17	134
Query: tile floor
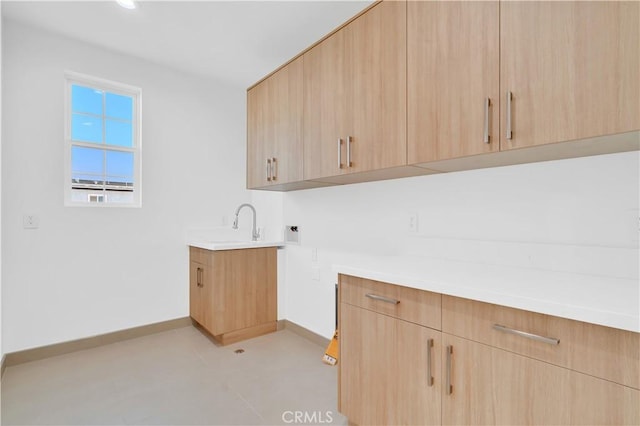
178	377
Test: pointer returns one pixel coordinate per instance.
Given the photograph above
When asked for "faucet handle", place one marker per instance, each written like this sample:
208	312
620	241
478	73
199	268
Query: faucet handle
256	237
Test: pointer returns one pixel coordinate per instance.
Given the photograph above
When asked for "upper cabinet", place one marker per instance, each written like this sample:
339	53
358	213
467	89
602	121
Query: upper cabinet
355	96
419	87
572	69
274	129
453	79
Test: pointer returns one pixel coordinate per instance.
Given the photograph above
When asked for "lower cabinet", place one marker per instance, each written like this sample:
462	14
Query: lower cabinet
233	293
397	371
494	386
379	382
199	293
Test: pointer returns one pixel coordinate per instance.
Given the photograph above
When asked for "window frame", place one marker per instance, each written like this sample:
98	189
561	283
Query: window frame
74	78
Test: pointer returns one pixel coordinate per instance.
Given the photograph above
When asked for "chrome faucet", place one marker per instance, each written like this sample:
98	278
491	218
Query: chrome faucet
255	234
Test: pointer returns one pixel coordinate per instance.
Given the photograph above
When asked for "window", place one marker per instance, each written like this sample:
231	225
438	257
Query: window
102	142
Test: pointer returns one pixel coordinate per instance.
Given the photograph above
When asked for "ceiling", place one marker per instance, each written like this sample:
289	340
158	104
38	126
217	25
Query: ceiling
238	42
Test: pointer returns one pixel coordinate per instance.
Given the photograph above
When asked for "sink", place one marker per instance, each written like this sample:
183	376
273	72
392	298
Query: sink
232	244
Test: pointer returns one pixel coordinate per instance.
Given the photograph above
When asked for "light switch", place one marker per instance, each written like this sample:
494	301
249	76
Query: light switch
30	221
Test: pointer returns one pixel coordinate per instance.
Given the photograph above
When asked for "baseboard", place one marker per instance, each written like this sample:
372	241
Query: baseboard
303	332
28	355
3	365
246	333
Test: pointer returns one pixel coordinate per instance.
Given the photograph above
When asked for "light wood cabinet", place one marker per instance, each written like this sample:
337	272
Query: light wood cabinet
380	381
199	310
274	129
233	293
572	68
494	386
355	96
453	79
421	87
572	373
604	352
552	72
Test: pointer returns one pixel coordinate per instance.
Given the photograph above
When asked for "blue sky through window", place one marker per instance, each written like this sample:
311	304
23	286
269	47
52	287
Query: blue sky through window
101	118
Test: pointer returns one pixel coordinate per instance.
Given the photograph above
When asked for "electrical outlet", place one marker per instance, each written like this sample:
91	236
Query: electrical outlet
315	273
30	221
314	254
412	223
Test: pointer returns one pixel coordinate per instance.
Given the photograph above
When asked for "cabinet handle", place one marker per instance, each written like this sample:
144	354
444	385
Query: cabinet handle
487	104
382	298
274	168
268	169
199	277
339	153
537	338
448	386
349	140
509	98
429	376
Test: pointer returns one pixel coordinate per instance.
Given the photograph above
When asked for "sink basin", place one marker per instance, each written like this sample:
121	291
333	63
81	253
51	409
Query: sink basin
233	244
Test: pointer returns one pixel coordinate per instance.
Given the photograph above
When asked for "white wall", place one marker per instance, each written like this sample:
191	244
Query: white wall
87	271
578	215
1	348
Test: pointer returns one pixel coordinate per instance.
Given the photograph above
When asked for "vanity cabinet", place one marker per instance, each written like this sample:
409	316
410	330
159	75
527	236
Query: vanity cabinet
233	293
274	129
409	356
355	96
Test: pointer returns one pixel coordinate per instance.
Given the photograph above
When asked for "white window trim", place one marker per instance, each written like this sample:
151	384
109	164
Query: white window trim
71	78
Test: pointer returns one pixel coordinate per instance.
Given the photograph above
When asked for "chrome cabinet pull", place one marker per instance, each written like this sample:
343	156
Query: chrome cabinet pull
349	140
382	298
537	338
274	168
487	104
448	385
268	169
429	376
339	153
509	98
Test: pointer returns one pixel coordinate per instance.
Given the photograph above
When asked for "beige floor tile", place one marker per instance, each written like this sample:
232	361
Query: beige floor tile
178	377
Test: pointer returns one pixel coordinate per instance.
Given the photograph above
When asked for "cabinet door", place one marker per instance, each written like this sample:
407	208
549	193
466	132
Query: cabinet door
453	71
325	111
244	289
257	136
376	52
274	128
384	370
198	293
493	386
572	68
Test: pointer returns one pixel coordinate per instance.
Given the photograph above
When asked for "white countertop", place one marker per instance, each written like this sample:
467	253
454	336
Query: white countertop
232	245
608	301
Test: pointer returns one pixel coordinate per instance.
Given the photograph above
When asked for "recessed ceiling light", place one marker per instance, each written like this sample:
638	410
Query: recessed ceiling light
127	4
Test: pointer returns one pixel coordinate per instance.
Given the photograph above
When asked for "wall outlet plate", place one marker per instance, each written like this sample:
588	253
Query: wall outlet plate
412	223
30	221
315	273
